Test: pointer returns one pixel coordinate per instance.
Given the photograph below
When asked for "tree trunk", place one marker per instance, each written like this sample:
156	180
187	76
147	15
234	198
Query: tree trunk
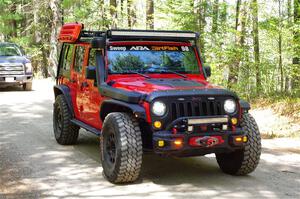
200	8
288	73
296	38
215	16
256	45
234	68
55	26
13	22
113	13
131	16
280	46
36	21
237	14
150	14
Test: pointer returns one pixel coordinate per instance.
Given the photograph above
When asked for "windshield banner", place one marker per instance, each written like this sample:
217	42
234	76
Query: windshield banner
149	48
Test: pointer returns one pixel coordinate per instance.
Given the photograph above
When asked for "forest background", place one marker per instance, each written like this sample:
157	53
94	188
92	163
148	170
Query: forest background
253	46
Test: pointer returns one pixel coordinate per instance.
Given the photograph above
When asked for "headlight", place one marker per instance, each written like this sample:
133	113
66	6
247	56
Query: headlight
159	108
28	68
230	106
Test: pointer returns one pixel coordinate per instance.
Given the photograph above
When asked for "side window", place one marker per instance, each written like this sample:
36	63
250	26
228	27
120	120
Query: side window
66	60
92	57
79	58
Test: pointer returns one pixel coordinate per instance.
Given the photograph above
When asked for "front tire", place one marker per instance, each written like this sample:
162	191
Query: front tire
65	132
121	148
27	86
244	161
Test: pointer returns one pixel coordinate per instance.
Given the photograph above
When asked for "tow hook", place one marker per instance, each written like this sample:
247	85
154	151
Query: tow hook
206	141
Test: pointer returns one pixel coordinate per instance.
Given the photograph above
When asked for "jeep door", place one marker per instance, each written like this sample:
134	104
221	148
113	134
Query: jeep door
81	100
91	107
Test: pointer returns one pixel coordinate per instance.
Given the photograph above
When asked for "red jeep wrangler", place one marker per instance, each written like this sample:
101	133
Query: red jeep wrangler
143	90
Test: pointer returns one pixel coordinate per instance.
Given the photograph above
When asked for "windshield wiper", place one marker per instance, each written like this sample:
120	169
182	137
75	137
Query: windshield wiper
170	71
141	74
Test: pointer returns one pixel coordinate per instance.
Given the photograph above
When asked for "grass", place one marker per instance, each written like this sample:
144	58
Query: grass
284	106
286	116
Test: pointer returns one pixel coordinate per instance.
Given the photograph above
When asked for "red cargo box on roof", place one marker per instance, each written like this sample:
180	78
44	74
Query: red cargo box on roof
70	32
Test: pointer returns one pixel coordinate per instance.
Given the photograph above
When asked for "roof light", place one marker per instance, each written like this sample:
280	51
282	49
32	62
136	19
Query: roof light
191	35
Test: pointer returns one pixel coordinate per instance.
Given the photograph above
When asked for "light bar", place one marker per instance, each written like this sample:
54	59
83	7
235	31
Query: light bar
208	120
153	34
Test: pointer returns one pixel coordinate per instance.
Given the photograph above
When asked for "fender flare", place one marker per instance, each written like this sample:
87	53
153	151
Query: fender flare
108	106
245	106
65	91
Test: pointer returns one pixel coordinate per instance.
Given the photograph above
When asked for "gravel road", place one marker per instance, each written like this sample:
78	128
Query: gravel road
33	165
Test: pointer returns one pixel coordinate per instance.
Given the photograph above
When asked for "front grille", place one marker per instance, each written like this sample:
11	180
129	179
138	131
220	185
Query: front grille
203	107
11	69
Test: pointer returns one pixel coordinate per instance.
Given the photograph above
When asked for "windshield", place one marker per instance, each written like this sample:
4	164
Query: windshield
152	59
10	50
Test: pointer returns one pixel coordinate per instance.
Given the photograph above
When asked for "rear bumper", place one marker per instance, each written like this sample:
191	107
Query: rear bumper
14	80
197	142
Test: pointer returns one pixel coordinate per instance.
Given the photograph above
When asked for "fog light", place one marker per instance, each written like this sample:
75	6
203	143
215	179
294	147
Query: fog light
234	121
157	124
245	139
161	143
238	139
178	142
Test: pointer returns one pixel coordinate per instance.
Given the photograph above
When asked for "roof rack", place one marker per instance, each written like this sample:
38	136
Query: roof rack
72	32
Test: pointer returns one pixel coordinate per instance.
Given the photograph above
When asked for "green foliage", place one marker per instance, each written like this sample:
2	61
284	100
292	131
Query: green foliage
128	62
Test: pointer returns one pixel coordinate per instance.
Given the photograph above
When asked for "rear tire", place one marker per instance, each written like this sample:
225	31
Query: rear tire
121	148
27	86
65	132
244	161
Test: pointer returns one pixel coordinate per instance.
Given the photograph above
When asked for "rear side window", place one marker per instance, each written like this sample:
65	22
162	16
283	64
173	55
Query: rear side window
79	58
66	61
92	57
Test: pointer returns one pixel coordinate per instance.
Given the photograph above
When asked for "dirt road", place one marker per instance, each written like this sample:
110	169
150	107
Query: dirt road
33	165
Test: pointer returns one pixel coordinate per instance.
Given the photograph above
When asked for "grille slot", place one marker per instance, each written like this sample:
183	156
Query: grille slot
11	69
196	108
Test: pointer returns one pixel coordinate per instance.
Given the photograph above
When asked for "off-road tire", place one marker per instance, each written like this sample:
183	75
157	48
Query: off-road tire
65	132
244	161
27	86
123	164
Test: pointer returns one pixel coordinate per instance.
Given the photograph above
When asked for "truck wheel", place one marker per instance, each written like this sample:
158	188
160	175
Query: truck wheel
244	161
27	86
65	132
121	148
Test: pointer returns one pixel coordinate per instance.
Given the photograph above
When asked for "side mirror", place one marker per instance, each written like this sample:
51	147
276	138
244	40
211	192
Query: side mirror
207	71
98	42
90	73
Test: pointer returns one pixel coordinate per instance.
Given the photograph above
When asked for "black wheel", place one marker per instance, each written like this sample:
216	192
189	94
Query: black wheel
65	132
244	161
121	148
27	86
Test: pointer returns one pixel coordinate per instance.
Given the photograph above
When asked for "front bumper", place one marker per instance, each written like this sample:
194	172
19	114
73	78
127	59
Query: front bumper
14	80
198	142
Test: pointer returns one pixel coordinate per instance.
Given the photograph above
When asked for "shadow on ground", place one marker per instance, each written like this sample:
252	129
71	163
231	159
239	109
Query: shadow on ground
33	165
